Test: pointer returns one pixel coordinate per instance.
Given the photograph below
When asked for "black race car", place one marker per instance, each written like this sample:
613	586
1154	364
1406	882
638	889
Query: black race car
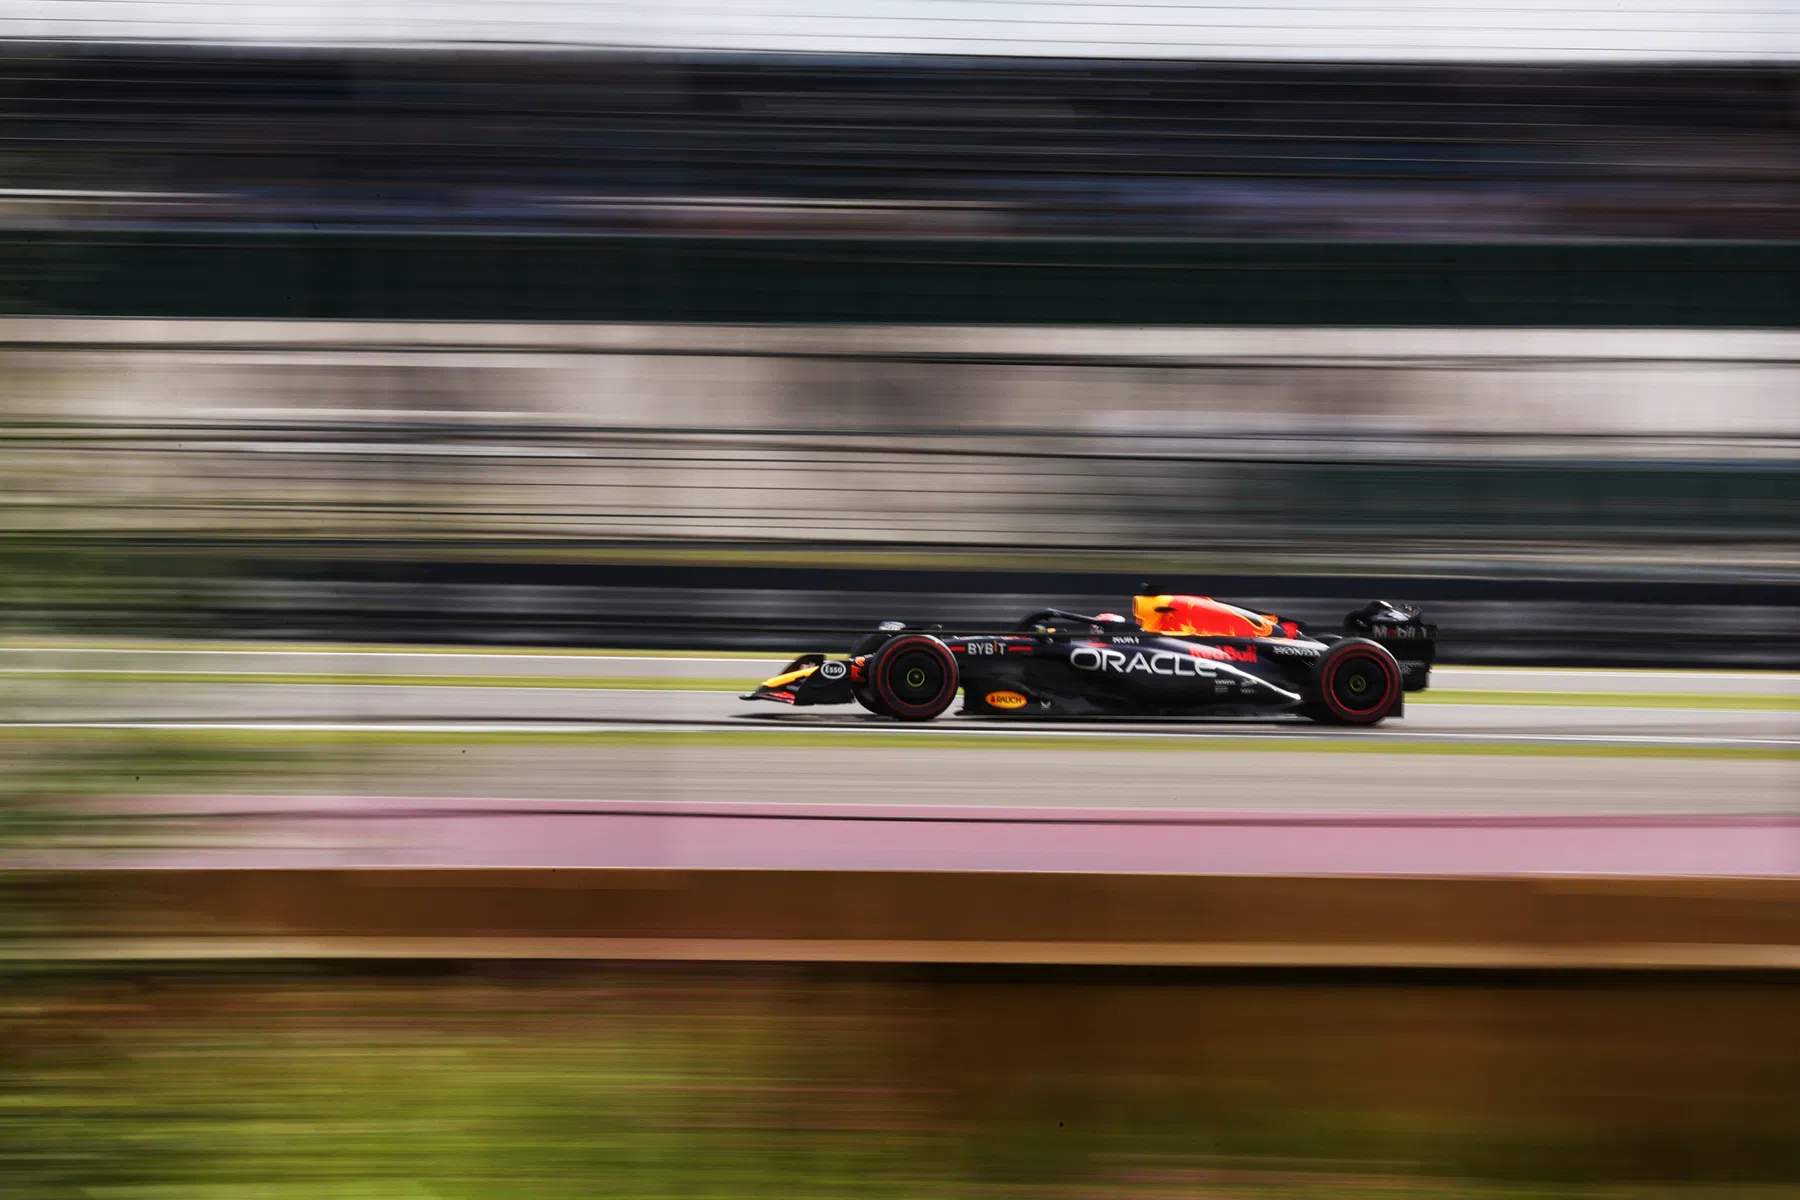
1175	656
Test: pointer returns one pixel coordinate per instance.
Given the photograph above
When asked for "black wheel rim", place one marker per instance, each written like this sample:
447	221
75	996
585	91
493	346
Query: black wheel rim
1359	684
916	677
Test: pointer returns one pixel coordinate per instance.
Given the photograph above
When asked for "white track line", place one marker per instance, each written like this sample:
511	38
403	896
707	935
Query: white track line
1583	676
351	676
573	727
480	655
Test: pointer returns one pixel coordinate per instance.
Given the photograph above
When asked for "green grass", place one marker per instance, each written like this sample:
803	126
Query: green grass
721	1085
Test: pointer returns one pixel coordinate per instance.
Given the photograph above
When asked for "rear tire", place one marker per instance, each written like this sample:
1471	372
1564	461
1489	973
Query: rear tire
1359	683
913	677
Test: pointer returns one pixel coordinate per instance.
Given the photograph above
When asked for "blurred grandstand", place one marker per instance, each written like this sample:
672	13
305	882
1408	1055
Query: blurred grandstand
104	136
569	289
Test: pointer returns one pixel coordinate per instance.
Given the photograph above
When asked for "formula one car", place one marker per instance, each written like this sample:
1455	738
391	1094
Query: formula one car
1176	656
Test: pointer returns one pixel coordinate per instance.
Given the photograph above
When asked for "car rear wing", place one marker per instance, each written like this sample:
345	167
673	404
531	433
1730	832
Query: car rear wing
1407	635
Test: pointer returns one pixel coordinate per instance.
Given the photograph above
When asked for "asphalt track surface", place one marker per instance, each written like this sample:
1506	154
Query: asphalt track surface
483	709
1488	788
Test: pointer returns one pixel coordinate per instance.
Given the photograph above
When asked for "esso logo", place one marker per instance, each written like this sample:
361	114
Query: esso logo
833	670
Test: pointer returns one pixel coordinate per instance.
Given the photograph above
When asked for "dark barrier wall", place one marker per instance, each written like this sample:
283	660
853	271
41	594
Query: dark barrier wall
1537	619
576	141
339	274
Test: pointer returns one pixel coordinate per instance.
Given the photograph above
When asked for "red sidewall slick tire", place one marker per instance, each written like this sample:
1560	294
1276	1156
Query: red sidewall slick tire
914	677
1359	682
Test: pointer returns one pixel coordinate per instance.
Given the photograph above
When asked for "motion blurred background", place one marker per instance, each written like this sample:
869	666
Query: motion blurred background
733	328
590	323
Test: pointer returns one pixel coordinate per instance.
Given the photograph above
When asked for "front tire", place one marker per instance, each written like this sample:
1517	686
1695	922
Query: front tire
865	696
913	677
1359	683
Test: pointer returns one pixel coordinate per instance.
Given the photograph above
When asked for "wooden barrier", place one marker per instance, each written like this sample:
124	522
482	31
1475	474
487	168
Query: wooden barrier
921	917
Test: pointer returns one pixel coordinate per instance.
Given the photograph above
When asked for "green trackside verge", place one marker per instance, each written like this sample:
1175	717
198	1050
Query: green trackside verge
396	649
892	738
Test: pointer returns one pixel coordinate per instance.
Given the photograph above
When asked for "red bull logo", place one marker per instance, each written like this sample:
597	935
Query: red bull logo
1224	653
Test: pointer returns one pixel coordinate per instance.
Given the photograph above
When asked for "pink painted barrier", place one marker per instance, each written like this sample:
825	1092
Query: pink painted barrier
363	832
